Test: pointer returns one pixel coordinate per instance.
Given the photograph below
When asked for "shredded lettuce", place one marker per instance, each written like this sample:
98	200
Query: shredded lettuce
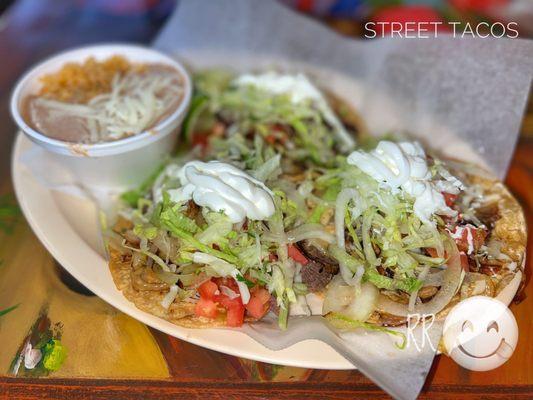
199	104
153	256
254	109
133	196
272	137
144	231
315	216
247	282
283	316
171	217
269	170
289	209
342	322
409	284
212	82
183	227
383	230
218	228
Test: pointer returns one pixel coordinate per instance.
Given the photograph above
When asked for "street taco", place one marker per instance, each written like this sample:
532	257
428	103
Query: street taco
281	203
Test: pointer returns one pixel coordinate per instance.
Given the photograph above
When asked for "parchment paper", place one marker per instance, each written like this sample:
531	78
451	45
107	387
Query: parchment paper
435	89
463	97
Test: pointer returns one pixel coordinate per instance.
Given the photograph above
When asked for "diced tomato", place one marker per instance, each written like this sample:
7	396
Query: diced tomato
479	7
259	303
297	255
234	307
229	282
235	315
278	134
206	308
200	139
432	252
270	139
449	198
210	296
479	237
226	302
469	238
256	309
218	129
262	294
464	262
208	290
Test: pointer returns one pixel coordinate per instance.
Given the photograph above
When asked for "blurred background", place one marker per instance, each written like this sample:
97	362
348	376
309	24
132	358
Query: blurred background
33	29
349	16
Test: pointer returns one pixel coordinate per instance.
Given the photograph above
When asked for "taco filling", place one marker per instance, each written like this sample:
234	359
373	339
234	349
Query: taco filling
281	203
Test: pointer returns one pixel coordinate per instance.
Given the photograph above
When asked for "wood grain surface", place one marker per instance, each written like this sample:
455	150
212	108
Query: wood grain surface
32	29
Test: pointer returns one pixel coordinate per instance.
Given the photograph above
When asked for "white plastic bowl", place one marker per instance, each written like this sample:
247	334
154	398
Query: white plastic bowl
115	165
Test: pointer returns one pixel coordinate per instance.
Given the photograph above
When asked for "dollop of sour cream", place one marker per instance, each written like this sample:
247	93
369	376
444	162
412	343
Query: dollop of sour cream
299	89
403	167
223	187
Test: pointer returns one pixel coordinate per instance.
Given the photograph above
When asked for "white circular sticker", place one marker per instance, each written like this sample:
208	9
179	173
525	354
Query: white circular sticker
480	333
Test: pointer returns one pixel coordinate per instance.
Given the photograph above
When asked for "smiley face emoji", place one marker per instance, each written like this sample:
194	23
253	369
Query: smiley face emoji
480	333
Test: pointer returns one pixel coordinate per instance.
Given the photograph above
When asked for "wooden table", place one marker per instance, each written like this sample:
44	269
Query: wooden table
111	355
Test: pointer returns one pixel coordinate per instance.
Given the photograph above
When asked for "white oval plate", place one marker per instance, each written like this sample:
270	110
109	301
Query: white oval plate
67	227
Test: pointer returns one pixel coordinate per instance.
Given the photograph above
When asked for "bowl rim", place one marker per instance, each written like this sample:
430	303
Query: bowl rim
104	148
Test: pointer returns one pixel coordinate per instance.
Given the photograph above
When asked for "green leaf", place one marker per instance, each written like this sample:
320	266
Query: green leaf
132	197
408	285
198	104
8	310
9	211
340	321
241	278
314	218
283	316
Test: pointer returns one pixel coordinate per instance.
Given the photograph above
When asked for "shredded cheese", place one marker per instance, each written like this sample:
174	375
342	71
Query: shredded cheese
135	103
